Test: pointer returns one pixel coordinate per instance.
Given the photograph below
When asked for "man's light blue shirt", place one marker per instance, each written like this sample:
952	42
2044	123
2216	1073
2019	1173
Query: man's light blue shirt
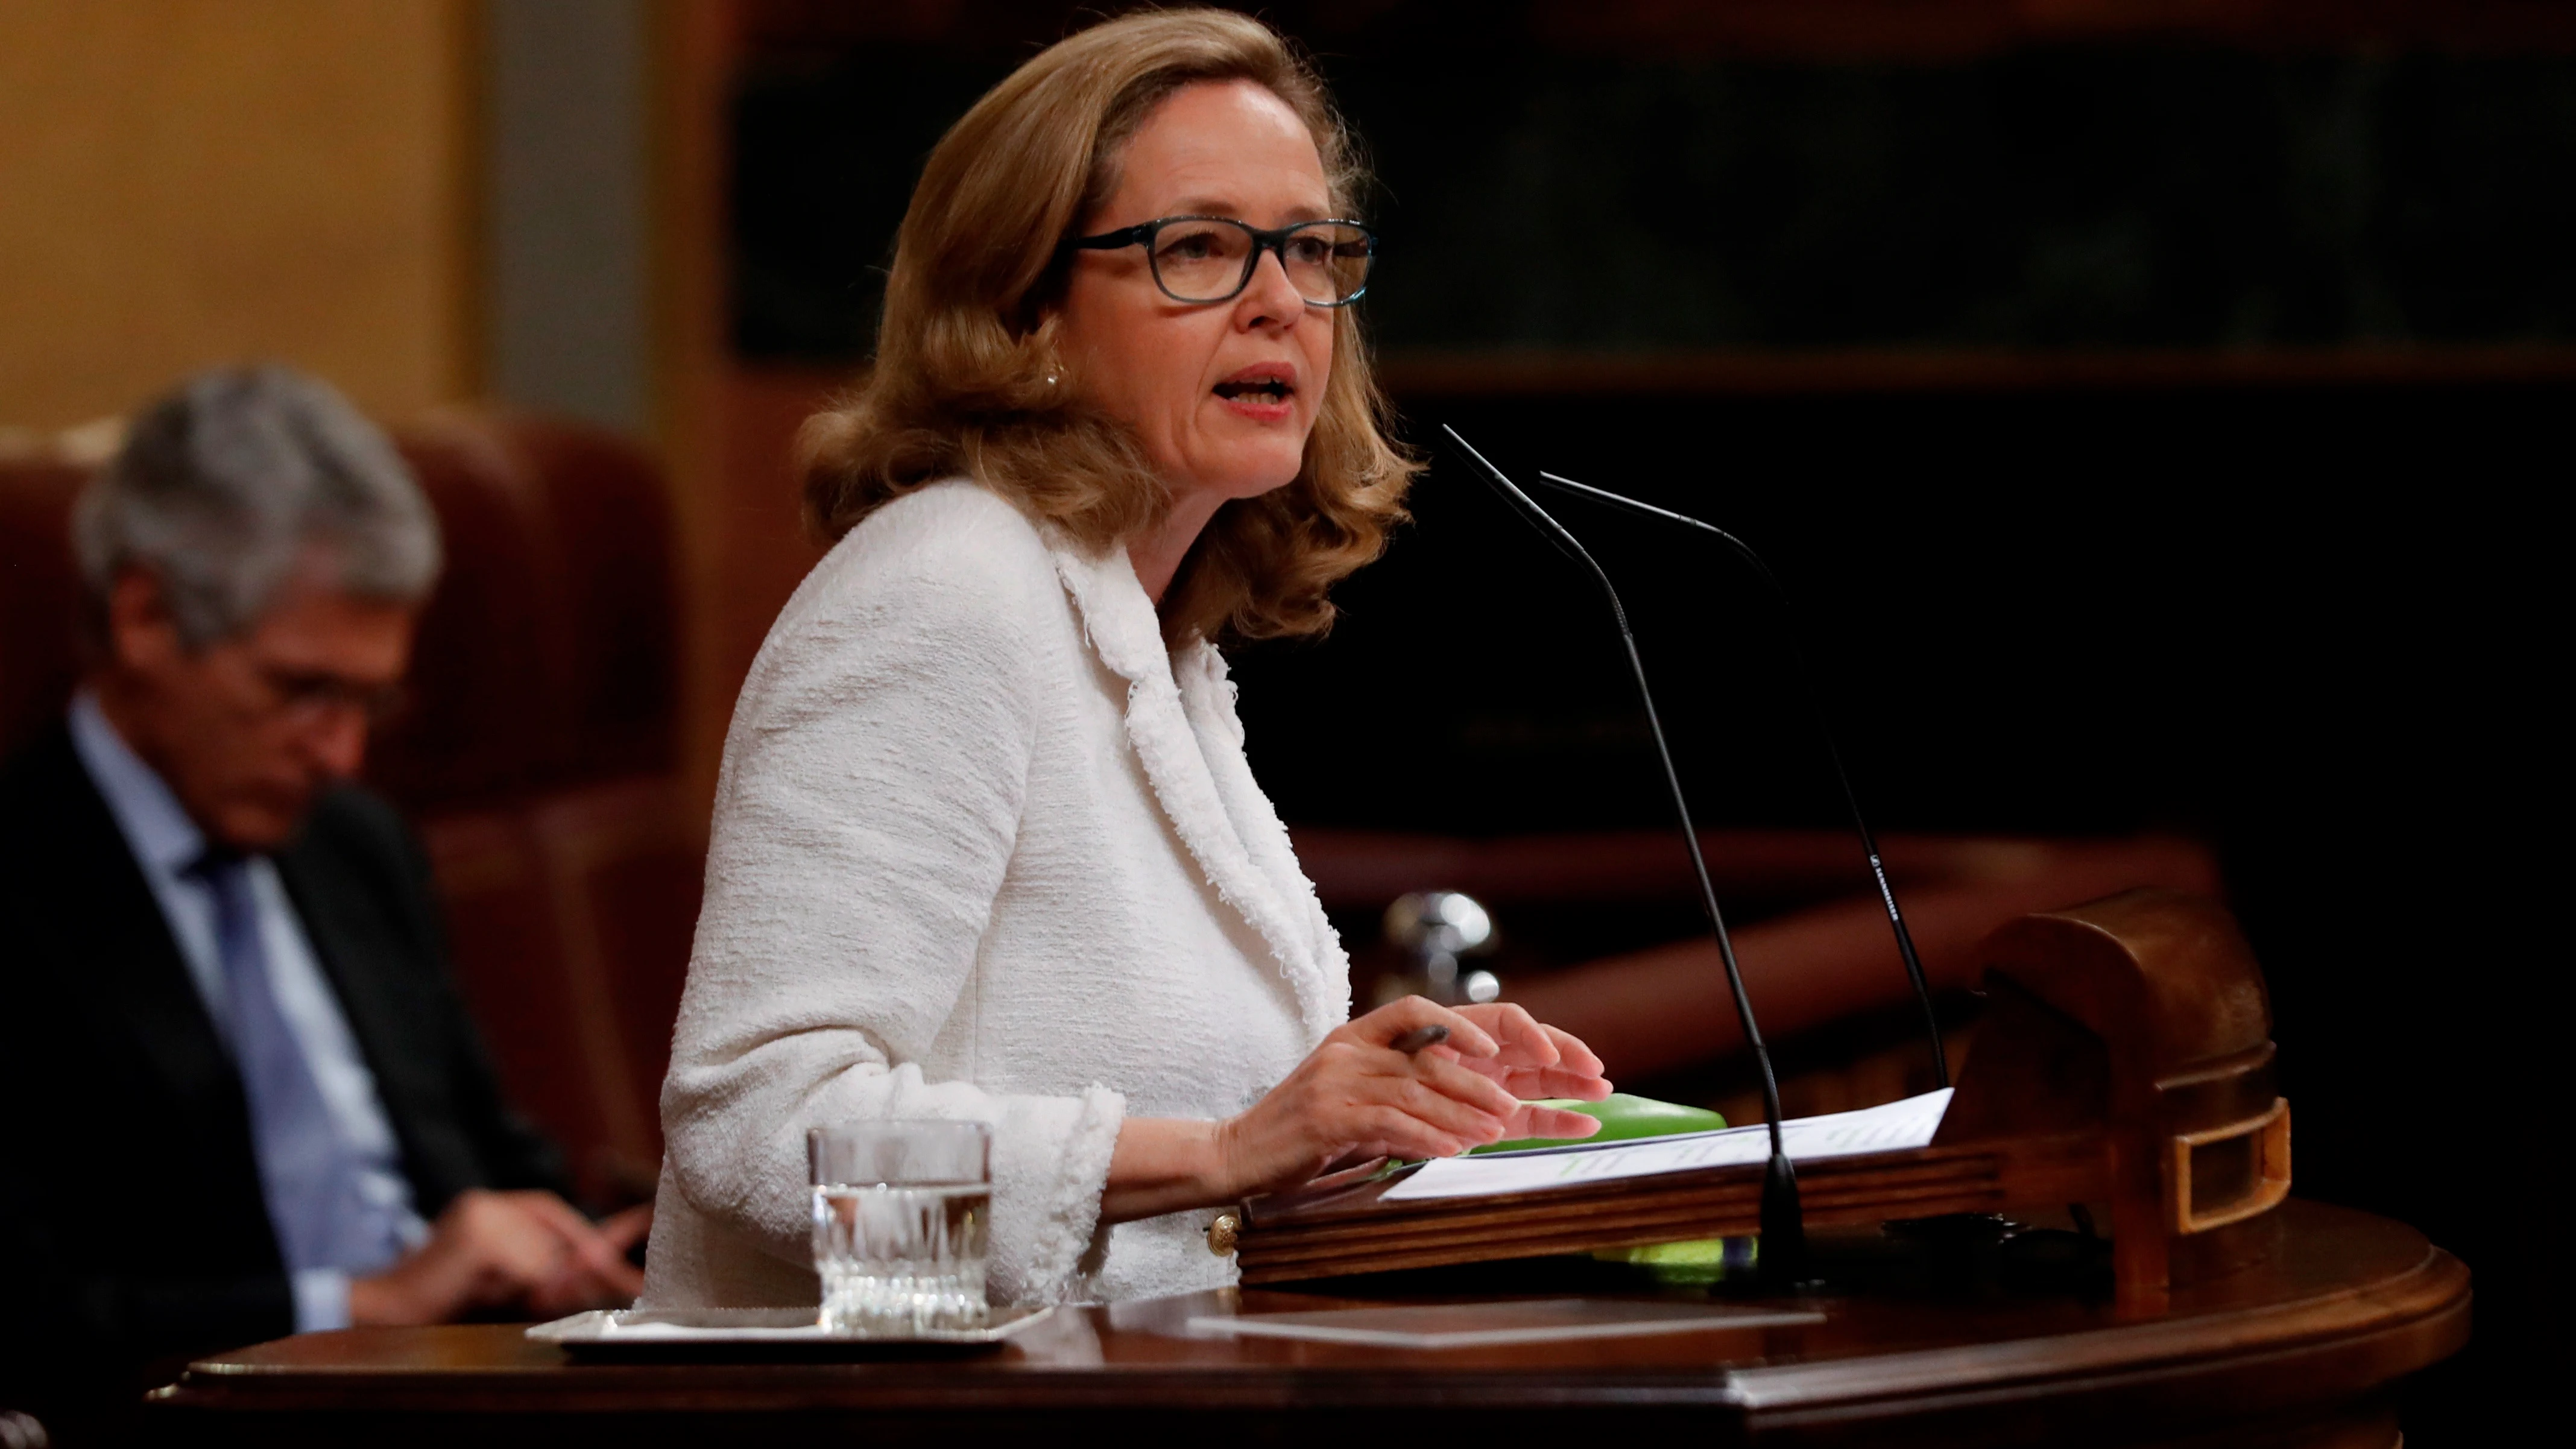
164	843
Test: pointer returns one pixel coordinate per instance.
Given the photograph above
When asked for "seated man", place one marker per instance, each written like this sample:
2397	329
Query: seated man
239	1096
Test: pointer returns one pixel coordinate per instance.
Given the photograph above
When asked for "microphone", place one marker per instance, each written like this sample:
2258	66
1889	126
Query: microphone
1833	752
1783	1260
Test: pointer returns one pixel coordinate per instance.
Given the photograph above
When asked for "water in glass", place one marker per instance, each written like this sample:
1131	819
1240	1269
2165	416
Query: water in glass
902	1260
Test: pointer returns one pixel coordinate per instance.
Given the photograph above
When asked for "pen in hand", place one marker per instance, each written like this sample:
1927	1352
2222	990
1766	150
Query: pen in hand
1419	1038
1412	1043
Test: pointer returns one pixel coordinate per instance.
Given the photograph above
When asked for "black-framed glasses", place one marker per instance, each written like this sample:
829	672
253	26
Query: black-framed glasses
1212	258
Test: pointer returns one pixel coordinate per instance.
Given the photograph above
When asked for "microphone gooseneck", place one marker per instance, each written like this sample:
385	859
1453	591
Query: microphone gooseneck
1833	750
1784	1237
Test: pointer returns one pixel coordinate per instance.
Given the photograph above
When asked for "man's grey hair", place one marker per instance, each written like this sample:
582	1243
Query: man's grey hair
231	484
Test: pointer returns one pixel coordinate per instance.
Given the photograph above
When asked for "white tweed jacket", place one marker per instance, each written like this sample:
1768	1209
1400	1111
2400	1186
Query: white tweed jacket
982	848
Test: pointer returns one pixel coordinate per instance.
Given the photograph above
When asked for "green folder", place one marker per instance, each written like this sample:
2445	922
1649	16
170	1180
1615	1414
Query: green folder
1625	1118
1622	1117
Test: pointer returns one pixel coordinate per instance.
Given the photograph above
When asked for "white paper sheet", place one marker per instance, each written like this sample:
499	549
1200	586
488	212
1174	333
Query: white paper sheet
1895	1126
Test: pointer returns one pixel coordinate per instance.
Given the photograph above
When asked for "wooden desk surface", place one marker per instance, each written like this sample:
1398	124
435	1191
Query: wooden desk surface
2303	1350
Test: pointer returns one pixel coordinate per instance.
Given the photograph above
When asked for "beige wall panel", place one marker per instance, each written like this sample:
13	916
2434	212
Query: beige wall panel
184	182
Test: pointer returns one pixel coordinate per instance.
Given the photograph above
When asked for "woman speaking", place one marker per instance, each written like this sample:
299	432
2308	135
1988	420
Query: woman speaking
985	843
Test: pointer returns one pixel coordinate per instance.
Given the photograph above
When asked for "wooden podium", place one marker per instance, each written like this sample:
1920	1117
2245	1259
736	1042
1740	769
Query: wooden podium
2304	1351
2124	1064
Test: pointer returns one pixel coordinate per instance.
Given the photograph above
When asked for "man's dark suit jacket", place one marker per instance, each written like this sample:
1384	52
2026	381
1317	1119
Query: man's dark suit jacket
132	1226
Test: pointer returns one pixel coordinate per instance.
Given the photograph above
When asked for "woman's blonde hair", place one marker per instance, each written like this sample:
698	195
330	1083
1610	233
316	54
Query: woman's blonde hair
968	379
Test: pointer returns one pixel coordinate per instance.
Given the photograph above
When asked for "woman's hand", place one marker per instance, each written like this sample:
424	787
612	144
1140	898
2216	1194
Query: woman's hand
1535	1060
1356	1097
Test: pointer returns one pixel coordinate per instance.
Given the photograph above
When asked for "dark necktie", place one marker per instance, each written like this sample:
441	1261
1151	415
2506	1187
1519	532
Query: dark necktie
307	1171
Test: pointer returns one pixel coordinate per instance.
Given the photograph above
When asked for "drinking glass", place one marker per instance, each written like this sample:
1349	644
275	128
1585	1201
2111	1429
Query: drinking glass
902	1213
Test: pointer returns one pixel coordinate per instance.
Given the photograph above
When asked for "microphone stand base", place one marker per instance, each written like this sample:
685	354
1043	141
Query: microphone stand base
1782	1263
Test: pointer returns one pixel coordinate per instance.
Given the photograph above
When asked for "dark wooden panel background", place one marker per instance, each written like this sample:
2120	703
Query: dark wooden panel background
2155	411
